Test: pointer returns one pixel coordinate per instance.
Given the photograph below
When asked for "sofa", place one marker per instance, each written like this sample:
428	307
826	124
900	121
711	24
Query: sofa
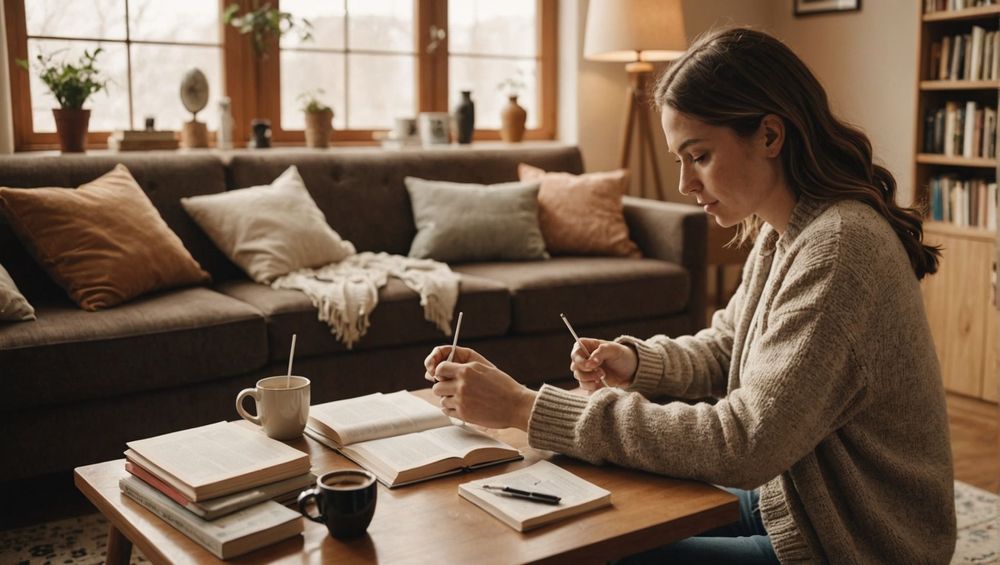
80	384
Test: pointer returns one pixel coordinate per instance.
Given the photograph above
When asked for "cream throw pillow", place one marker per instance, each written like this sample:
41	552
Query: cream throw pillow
269	230
13	306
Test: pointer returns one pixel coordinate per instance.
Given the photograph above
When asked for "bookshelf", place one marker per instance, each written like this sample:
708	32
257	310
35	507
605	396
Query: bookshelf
955	174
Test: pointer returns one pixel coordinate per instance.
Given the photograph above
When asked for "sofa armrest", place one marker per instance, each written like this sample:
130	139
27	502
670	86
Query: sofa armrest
677	233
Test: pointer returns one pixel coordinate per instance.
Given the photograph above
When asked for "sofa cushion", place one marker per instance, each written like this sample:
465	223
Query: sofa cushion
475	222
13	306
397	320
269	230
589	290
158	341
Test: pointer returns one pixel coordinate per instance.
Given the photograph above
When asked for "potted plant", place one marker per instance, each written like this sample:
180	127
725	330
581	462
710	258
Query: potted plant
512	116
71	84
264	22
319	118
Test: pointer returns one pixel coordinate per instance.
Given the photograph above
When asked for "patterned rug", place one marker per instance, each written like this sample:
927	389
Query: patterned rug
84	539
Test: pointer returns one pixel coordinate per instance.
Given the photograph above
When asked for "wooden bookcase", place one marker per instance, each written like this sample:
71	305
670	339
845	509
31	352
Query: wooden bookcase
960	298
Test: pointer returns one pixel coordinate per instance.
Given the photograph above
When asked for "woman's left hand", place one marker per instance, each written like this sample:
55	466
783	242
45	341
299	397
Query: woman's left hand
482	394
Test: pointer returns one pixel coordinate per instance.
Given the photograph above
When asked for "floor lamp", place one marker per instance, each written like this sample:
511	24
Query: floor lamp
636	32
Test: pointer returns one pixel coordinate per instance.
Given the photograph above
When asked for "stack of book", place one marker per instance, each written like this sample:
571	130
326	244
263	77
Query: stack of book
142	140
222	485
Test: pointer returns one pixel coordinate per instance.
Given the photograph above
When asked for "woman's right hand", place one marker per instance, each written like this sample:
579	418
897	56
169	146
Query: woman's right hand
615	362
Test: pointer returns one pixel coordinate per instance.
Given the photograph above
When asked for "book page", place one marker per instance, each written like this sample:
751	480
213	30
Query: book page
375	416
422	448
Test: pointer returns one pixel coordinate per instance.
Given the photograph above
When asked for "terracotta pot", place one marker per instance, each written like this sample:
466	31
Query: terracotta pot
319	125
512	119
71	125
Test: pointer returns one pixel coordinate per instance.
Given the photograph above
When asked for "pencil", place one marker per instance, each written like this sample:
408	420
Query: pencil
580	343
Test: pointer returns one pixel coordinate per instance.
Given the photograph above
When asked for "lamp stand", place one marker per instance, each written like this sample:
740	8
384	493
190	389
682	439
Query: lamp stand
637	121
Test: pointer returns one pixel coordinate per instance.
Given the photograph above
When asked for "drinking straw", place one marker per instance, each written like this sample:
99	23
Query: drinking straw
291	357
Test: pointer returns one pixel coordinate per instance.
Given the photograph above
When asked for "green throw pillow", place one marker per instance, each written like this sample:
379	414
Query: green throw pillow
474	222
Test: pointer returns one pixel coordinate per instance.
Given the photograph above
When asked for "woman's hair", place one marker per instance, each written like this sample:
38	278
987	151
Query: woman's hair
734	77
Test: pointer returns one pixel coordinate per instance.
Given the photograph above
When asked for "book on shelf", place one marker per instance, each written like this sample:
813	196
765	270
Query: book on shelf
280	491
403	439
963	202
232	535
967	130
576	495
218	459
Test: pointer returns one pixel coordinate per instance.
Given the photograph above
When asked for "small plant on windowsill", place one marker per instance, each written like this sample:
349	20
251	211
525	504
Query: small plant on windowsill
71	84
264	22
512	115
319	118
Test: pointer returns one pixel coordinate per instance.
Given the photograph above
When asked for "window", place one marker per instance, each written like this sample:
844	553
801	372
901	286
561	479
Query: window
374	60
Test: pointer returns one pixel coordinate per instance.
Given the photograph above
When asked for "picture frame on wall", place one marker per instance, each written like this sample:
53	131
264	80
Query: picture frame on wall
811	7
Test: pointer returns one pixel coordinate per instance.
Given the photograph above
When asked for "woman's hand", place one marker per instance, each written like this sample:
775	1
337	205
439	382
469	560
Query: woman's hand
615	362
474	390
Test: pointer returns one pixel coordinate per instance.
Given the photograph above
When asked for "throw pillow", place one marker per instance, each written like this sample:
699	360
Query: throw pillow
103	242
582	214
269	230
475	222
13	306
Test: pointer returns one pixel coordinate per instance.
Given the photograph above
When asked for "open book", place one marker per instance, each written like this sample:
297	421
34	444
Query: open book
401	438
576	495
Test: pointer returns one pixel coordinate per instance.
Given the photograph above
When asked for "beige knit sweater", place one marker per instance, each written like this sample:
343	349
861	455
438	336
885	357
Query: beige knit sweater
830	398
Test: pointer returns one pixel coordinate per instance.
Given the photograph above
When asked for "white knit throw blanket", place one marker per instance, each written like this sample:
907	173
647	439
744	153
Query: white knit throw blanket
345	293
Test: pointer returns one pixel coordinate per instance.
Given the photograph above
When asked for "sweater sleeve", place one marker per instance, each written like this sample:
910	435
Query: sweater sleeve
803	379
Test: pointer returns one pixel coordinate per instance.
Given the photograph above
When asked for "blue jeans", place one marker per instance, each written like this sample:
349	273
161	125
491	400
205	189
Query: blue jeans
743	542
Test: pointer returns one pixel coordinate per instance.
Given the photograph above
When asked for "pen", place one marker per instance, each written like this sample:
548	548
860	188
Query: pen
525	494
454	341
580	343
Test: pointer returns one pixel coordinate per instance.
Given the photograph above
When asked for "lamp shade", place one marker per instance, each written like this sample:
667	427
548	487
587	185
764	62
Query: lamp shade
634	30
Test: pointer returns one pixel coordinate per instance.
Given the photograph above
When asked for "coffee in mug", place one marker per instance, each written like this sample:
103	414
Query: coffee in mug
282	405
345	500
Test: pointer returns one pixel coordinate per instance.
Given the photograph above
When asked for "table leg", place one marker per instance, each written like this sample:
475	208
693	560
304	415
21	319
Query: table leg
119	547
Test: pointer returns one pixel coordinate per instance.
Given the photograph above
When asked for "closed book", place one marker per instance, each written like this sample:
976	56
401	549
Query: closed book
217	459
951	116
216	507
230	536
143	135
976	52
966	63
939	131
995	71
142	145
945	62
968	129
576	496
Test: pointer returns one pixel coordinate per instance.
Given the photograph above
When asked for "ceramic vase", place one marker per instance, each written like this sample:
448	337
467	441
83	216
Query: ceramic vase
319	125
465	117
71	125
512	119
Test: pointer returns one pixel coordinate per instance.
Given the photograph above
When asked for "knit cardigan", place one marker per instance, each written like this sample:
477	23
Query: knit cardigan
829	398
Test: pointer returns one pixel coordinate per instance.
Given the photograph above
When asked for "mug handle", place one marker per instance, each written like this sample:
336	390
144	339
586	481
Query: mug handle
304	498
256	401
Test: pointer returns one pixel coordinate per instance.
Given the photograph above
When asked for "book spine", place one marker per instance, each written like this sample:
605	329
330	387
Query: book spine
151	480
173	516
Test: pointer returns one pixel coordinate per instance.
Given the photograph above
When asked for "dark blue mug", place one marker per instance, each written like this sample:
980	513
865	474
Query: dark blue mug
345	500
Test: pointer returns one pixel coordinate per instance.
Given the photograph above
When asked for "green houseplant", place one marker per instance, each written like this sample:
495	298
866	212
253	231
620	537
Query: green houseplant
263	22
319	118
71	84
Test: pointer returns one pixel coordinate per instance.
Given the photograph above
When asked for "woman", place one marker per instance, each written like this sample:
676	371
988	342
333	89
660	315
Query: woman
830	410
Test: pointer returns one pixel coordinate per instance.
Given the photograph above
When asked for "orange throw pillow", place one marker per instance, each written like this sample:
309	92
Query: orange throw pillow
104	242
582	214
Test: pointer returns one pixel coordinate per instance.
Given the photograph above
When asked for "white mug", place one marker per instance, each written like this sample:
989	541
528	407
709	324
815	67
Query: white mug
282	405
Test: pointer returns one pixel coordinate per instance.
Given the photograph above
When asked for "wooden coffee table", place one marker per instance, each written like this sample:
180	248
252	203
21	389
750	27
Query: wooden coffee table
428	522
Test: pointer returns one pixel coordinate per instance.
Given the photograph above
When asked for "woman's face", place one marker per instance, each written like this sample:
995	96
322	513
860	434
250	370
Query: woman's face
730	176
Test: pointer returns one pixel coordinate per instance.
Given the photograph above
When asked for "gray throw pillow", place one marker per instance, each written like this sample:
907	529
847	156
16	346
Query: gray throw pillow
13	306
475	222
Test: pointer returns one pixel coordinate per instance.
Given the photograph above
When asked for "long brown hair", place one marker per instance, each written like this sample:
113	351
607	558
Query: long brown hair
734	77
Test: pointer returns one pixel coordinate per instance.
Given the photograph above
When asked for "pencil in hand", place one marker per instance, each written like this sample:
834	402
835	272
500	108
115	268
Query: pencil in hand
580	343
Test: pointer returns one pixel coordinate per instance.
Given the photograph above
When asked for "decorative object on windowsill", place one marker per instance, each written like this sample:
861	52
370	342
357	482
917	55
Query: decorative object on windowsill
71	85
142	140
224	137
194	96
512	116
319	118
265	24
402	135
261	138
465	118
433	128
636	32
810	7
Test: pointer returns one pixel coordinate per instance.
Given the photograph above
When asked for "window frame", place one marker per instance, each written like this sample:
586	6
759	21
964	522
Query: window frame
244	74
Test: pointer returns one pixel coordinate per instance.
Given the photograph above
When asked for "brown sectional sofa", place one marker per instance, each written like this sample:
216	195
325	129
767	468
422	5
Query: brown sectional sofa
80	384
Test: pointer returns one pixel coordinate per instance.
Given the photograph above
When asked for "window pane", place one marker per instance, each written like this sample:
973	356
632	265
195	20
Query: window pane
489	27
381	25
326	17
381	88
97	19
109	110
302	72
174	21
157	72
482	76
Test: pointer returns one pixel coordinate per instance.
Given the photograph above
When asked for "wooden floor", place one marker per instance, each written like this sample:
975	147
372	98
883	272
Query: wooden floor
975	441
